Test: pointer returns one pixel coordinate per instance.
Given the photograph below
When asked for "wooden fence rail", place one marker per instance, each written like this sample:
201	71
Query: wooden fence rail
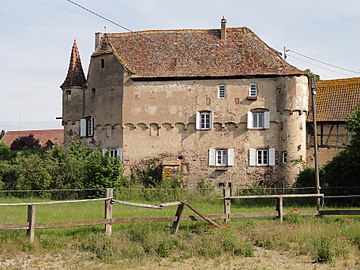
109	201
108	220
279	202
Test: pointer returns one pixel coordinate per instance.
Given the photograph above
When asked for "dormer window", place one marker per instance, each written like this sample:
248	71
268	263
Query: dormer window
253	91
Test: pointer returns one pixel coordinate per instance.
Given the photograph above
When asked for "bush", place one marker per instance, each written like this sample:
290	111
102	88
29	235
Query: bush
324	253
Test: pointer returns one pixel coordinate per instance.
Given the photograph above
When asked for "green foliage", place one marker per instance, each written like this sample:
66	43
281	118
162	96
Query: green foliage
306	178
5	153
344	169
73	168
310	73
324	251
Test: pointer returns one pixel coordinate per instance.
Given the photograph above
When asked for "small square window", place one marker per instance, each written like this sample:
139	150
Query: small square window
284	157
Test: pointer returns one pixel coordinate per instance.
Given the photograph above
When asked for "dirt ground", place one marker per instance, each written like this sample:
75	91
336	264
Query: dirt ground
262	260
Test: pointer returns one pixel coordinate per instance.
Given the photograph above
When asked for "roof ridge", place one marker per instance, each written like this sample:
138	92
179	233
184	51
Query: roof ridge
155	31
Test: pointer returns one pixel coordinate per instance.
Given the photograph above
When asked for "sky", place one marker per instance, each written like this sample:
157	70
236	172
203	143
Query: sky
36	38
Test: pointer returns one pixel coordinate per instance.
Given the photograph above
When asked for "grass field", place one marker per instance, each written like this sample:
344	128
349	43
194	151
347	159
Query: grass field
329	241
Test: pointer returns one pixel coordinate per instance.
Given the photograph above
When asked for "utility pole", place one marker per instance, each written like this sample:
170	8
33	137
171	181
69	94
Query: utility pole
317	180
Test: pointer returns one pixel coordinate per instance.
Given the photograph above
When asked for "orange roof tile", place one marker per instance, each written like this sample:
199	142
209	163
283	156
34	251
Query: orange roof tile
194	53
336	99
56	136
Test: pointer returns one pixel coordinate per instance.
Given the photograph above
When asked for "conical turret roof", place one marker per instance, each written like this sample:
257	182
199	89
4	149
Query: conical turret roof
75	75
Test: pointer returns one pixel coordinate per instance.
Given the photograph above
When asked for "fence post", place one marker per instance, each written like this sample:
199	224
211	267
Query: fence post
31	221
176	223
279	208
227	204
108	211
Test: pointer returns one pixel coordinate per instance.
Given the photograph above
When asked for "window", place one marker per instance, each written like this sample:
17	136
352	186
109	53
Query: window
113	152
102	63
68	95
258	120
87	127
222	91
283	157
221	157
203	120
253	89
262	157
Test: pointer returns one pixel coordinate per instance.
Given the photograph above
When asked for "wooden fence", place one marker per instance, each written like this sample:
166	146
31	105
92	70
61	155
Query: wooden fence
109	201
108	220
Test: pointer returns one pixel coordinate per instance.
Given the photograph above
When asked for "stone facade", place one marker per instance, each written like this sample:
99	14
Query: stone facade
242	128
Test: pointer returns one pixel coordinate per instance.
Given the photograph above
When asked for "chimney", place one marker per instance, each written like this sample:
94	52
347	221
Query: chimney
97	39
223	28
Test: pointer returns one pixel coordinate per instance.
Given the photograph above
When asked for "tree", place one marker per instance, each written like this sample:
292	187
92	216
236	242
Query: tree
25	143
341	174
310	73
2	134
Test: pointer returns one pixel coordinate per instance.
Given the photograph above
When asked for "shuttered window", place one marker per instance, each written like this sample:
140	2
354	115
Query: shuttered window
258	120
221	157
262	157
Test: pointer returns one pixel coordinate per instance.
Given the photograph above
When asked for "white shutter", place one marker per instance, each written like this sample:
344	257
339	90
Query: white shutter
271	157
119	153
252	157
198	119
103	151
82	127
249	120
266	119
212	153
230	156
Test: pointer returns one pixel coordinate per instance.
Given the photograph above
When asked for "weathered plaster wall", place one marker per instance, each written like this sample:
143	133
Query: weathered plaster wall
159	119
103	100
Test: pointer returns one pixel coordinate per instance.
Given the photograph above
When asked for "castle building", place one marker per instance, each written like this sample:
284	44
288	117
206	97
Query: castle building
218	105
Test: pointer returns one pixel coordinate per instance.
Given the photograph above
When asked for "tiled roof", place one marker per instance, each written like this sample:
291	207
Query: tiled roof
194	53
75	75
336	99
56	136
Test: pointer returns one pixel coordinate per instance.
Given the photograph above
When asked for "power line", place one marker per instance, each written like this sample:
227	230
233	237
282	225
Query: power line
100	16
318	65
322	62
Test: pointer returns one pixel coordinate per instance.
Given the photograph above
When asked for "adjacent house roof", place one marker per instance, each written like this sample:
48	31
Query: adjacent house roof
52	136
194	53
336	99
75	75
